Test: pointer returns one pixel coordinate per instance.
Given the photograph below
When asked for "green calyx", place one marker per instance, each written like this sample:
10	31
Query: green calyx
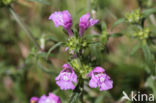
75	45
81	69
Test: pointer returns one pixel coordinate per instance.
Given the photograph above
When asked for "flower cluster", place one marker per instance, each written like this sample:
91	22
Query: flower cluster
68	77
142	34
52	98
133	17
99	78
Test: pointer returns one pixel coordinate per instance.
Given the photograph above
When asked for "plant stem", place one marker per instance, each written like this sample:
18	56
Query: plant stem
82	90
142	22
22	25
78	92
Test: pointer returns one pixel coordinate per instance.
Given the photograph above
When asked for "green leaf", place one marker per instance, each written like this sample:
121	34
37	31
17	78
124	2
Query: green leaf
148	57
115	35
54	47
151	82
44	69
134	50
100	98
49	38
147	12
104	26
119	21
74	97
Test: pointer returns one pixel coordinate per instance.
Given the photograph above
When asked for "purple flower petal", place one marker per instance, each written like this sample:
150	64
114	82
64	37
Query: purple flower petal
100	78
66	49
67	18
52	98
93	83
57	18
62	18
85	23
65	85
106	85
98	69
66	78
93	21
34	100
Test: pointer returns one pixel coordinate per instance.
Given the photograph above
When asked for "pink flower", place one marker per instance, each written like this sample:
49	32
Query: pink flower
52	98
66	78
100	79
85	23
62	18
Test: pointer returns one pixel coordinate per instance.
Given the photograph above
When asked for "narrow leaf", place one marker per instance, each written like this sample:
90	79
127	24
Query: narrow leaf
147	12
115	35
119	21
54	47
104	26
74	97
148	56
134	50
44	69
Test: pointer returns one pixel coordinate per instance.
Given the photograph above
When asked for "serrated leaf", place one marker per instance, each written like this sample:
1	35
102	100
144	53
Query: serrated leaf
119	21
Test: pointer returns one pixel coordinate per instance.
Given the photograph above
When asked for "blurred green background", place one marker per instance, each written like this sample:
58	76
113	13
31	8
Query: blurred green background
22	76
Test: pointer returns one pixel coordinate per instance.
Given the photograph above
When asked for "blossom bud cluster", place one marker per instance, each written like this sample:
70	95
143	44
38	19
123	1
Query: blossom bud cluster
133	17
74	45
142	34
5	2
